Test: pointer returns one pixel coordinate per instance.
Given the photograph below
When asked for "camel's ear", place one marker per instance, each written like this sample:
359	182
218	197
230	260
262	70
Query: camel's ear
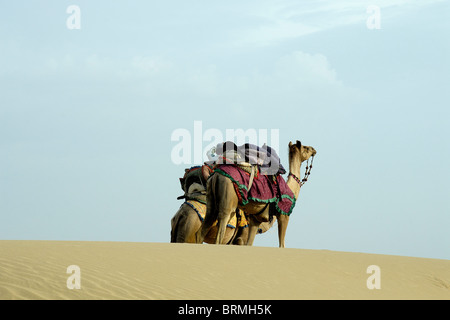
290	144
299	144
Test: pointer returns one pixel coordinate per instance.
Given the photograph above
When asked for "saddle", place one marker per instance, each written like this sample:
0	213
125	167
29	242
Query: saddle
265	158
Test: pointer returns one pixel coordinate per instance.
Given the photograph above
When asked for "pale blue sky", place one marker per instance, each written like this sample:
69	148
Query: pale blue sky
86	116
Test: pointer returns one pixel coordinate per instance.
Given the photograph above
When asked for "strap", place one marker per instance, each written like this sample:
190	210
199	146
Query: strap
252	176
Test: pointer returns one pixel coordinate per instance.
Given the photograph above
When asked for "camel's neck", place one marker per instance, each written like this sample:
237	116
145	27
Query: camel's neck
294	168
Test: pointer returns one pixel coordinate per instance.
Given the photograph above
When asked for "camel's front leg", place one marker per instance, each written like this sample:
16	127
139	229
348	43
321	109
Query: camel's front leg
283	221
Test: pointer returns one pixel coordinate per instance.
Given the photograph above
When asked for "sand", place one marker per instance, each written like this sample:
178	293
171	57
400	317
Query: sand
127	270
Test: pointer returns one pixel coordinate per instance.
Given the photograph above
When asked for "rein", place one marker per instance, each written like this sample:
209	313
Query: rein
307	173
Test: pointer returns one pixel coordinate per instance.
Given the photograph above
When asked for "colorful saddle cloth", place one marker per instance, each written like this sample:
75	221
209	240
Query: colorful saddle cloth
238	219
265	188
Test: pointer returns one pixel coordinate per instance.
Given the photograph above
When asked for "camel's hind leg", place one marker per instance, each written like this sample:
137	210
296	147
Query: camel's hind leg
225	214
221	203
211	213
226	204
241	236
193	224
184	225
255	221
252	229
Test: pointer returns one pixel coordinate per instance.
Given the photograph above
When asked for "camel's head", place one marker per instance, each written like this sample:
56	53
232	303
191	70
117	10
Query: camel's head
299	151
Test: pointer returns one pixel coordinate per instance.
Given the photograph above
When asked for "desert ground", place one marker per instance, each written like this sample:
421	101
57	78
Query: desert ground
130	270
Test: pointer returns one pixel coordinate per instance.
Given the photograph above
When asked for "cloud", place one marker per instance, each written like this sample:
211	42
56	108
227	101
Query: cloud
150	64
303	68
280	21
296	73
293	79
274	31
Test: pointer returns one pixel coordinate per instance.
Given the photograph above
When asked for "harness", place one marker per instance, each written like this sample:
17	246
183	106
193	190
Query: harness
307	173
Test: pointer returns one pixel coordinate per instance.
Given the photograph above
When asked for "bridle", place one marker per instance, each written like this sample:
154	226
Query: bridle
307	173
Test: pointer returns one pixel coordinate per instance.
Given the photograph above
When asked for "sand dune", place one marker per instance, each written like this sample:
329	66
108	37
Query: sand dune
125	270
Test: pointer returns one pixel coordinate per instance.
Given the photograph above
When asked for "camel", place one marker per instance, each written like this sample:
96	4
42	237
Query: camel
222	200
186	223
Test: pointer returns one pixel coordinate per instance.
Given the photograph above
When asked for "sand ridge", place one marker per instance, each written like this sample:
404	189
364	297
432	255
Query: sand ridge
130	270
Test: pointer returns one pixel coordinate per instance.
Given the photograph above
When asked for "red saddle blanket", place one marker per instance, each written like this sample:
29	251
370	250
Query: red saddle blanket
264	189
